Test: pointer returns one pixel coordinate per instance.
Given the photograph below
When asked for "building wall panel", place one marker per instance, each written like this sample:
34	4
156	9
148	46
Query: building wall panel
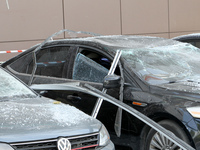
27	22
99	16
142	16
184	15
5	46
30	19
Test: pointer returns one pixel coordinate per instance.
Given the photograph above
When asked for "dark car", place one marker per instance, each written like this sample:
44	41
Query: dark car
158	77
193	39
29	121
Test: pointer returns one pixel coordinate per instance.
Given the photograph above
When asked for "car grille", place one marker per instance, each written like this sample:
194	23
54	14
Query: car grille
86	142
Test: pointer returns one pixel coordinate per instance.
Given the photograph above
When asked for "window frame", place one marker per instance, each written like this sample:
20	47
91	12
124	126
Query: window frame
127	76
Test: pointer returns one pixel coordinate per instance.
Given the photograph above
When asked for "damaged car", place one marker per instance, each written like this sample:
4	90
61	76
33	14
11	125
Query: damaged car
32	122
193	39
158	77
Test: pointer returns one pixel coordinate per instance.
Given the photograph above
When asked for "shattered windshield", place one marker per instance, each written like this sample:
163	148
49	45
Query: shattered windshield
12	88
165	64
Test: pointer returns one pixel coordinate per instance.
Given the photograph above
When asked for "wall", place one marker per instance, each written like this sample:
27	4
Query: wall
28	22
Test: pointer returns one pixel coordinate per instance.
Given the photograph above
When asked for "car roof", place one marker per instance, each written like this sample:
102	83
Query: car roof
193	36
121	41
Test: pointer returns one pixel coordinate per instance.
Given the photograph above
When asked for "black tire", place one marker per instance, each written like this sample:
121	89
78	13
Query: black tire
165	143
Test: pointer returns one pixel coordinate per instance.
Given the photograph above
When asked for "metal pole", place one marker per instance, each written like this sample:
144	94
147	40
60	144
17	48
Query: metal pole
111	71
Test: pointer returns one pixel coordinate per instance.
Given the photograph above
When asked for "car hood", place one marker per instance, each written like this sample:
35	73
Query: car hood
185	86
42	118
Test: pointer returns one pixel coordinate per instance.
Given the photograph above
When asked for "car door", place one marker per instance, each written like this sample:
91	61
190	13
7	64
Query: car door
90	67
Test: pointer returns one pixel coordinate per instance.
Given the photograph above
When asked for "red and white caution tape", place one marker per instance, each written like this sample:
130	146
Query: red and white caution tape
11	51
50	63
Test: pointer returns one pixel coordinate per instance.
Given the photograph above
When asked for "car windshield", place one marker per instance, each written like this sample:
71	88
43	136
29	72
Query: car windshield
12	88
165	64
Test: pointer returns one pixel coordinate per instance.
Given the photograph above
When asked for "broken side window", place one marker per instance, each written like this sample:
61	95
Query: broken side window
88	70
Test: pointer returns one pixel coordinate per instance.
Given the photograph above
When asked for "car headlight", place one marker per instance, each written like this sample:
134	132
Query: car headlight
5	146
194	111
104	136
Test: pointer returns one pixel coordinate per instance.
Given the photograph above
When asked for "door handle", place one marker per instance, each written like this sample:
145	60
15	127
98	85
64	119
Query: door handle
74	98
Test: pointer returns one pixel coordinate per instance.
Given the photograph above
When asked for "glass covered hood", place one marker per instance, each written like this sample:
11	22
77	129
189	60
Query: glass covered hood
165	64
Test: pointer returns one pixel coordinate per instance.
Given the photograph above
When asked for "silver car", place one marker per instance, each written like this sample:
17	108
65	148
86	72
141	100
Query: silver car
32	122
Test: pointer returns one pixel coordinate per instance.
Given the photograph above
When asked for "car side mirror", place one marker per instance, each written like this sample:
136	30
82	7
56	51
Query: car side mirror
112	81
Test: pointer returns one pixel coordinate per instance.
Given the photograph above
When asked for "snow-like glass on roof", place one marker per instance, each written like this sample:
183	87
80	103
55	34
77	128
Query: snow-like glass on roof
11	87
131	41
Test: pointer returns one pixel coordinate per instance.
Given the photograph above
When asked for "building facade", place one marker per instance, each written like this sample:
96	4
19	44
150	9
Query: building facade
28	22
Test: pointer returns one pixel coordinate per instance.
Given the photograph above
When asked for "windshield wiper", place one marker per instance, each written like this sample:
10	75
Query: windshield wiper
189	80
178	81
173	81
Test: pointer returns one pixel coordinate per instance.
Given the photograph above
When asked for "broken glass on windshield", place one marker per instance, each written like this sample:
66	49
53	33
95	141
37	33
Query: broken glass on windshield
165	64
11	87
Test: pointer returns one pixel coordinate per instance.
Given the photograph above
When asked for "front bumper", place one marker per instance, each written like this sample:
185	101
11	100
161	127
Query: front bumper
109	146
196	134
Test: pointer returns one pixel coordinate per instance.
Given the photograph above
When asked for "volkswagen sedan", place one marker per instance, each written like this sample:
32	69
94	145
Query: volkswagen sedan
32	122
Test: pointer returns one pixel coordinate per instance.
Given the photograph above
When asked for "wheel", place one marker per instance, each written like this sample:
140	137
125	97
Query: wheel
156	141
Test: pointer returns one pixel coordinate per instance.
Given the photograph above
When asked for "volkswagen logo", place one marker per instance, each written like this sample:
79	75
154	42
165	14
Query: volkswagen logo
64	144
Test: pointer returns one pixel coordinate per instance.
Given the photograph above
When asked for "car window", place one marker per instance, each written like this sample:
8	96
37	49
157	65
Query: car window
88	70
50	62
91	66
195	43
22	64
